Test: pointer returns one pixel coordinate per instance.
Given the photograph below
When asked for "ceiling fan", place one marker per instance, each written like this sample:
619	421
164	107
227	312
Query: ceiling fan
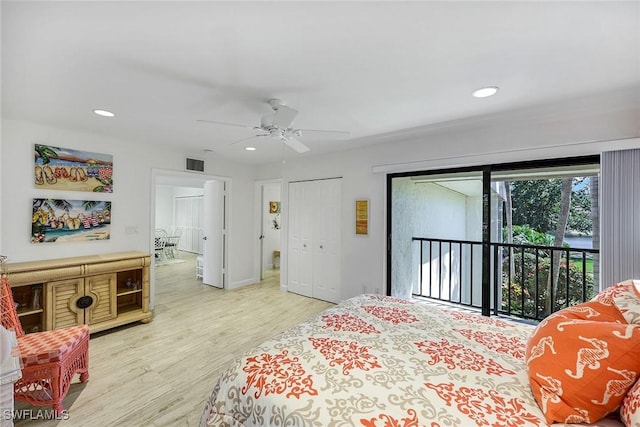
279	125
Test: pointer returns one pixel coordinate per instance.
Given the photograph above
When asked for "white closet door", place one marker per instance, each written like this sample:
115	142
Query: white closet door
314	239
326	252
188	216
300	271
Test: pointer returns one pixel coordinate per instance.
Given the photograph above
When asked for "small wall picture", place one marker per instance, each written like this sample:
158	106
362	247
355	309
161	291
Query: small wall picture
362	217
58	220
67	169
274	207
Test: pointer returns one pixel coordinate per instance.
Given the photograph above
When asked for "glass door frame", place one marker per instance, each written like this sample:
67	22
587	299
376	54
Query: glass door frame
486	171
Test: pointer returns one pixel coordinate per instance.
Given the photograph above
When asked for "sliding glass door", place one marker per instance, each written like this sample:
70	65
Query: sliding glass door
508	238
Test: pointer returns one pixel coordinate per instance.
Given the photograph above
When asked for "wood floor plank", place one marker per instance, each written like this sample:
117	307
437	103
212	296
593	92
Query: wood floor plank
160	373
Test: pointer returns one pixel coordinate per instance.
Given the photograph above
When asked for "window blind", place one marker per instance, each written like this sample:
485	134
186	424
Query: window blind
619	216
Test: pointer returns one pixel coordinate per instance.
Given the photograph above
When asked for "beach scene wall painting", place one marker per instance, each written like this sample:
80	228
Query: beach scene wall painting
67	169
58	220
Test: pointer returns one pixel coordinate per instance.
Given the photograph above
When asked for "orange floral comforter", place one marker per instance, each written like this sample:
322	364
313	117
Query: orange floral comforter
377	361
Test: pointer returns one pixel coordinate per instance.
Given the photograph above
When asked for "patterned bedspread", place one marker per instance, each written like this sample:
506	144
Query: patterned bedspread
378	361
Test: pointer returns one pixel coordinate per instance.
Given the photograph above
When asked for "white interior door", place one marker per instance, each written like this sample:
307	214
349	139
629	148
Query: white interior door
214	234
263	227
300	272
327	252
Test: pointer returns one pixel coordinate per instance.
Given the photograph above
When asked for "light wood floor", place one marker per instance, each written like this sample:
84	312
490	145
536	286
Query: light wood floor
160	374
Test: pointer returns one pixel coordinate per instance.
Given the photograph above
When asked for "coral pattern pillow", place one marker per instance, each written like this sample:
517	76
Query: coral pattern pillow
582	363
601	310
624	296
630	410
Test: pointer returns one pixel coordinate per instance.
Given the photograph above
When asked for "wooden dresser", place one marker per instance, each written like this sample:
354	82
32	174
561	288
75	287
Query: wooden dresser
102	291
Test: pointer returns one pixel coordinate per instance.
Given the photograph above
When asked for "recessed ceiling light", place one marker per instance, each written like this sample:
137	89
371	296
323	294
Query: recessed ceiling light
484	92
104	113
250	148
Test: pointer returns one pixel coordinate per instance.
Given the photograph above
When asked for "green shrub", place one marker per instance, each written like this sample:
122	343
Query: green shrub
525	277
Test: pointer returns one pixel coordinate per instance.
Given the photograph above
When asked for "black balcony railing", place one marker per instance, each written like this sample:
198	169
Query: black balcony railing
527	281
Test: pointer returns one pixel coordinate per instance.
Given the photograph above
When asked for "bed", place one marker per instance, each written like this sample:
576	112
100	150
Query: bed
378	361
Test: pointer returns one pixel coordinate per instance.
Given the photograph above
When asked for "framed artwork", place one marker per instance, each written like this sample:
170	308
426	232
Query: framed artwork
274	207
362	216
58	220
58	168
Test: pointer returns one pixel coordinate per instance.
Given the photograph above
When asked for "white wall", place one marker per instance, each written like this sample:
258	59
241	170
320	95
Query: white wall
423	209
474	218
167	214
131	200
443	216
536	133
589	127
192	221
443	212
362	255
164	206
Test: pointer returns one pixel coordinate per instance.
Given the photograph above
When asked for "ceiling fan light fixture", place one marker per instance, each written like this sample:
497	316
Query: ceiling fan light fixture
275	133
278	126
485	92
103	113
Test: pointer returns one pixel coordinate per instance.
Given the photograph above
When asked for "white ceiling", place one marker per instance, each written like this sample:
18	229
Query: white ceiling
369	68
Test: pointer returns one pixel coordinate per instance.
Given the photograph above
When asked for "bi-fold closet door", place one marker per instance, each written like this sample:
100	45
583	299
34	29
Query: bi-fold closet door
314	253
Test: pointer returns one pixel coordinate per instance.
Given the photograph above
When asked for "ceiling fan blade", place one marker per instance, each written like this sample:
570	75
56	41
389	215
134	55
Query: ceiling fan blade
296	145
227	124
337	133
246	139
284	116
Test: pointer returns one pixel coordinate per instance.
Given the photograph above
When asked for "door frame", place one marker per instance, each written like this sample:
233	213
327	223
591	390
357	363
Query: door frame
157	175
258	218
486	171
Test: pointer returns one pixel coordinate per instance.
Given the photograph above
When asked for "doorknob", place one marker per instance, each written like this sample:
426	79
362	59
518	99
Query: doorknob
261	237
204	238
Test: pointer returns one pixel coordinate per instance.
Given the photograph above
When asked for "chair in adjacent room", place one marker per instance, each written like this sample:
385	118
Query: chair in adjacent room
160	240
171	247
49	359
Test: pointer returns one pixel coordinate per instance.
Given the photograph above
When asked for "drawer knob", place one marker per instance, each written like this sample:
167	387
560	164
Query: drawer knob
84	302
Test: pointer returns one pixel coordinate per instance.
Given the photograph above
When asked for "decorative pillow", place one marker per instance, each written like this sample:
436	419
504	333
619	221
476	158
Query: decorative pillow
630	409
595	310
580	370
625	296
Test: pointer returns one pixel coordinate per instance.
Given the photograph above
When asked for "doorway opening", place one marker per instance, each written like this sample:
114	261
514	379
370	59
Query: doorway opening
184	201
269	194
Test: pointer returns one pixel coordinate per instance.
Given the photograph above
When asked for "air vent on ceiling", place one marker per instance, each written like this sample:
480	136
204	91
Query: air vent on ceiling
196	165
